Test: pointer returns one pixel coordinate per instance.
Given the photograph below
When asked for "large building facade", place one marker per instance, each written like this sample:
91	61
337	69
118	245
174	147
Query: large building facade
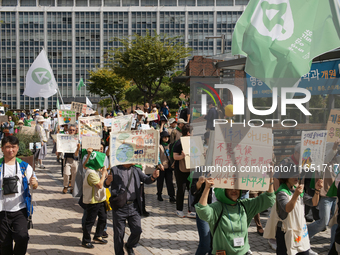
76	33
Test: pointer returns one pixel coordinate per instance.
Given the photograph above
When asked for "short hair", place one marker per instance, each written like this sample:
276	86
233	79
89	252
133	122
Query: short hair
72	125
13	140
185	129
297	148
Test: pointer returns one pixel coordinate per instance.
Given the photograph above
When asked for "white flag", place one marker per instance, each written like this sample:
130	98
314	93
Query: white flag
40	81
88	102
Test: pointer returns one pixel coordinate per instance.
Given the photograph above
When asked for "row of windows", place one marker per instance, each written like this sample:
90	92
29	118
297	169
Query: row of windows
125	2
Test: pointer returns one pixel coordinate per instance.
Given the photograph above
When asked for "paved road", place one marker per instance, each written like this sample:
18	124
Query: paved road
57	224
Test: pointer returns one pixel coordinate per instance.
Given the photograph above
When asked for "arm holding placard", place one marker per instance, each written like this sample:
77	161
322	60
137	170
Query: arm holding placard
76	154
89	151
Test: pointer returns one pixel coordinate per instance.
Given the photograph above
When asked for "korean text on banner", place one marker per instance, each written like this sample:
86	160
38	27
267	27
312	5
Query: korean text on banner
78	107
193	150
107	122
333	126
93	142
241	156
67	143
66	117
122	123
90	126
313	147
134	147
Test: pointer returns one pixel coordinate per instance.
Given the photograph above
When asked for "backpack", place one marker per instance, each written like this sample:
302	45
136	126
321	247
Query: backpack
183	114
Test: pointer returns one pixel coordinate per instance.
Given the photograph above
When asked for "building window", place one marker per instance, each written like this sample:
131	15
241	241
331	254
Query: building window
81	2
130	3
186	2
28	3
205	2
111	2
149	2
168	2
241	2
95	2
9	3
65	2
46	2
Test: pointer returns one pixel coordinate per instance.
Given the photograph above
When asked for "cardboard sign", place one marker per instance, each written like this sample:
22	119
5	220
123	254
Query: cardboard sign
78	107
107	122
241	156
121	123
67	143
148	169
66	117
333	126
313	146
93	142
65	107
193	150
54	137
90	126
134	147
152	116
3	118
27	130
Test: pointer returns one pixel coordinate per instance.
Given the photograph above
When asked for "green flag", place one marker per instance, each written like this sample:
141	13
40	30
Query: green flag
81	83
96	160
281	39
332	192
57	103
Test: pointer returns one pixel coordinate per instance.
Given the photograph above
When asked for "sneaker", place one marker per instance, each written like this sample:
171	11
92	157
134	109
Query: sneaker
249	252
42	166
311	252
172	200
180	214
99	240
191	215
272	243
65	190
145	214
105	235
159	198
88	245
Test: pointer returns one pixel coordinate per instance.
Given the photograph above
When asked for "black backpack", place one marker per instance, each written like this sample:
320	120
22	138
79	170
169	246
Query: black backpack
183	114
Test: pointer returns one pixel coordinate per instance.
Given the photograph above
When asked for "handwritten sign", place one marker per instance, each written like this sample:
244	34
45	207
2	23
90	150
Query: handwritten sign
27	130
313	146
193	150
134	147
90	126
65	107
78	107
3	118
66	117
121	123
54	137
67	143
93	142
241	156
152	116
333	126
107	122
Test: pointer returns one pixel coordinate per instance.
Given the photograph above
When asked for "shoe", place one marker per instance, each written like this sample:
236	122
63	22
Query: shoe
172	200
191	215
311	252
71	191
261	234
180	214
159	198
65	190
99	240
58	160
42	166
249	252
146	214
105	235
309	219
272	243
129	250
88	245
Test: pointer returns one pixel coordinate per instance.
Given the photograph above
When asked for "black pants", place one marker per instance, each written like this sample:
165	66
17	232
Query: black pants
13	227
281	248
182	184
130	214
94	210
167	175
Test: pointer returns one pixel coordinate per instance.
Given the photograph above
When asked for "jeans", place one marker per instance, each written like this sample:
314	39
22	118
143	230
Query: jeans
204	237
333	230
326	205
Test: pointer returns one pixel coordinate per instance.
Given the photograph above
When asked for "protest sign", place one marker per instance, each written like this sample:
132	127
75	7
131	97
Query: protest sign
78	107
333	126
134	147
27	130
67	143
90	126
65	107
121	123
152	116
3	118
107	122
54	137
193	150
66	117
313	146
93	142
241	156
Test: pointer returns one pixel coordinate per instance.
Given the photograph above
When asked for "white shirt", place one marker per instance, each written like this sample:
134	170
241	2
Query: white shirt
13	202
47	123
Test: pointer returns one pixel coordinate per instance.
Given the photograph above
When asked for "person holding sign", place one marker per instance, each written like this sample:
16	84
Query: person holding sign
230	217
287	216
9	126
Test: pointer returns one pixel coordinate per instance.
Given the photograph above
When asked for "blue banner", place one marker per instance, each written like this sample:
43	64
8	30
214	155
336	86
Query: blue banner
322	79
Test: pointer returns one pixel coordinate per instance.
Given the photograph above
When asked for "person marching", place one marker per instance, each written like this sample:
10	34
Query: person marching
41	153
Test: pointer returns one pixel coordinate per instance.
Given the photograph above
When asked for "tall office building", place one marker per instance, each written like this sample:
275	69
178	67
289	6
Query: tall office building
76	33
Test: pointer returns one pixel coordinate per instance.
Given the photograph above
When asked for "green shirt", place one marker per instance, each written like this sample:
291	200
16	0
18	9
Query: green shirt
230	228
27	123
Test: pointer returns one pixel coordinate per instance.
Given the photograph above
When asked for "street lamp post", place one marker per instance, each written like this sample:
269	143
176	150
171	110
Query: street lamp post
222	41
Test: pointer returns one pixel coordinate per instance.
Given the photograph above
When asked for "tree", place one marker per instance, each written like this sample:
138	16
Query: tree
104	82
146	60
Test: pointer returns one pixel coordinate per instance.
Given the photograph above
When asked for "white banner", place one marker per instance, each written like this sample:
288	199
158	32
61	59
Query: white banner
67	143
90	126
121	123
66	117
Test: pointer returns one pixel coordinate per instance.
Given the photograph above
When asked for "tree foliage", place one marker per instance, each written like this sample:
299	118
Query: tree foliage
146	60
104	82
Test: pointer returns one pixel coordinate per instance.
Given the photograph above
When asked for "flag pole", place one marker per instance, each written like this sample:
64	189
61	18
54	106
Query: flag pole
62	101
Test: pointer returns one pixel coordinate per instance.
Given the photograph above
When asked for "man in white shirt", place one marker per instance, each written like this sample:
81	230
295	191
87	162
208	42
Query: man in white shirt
13	207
